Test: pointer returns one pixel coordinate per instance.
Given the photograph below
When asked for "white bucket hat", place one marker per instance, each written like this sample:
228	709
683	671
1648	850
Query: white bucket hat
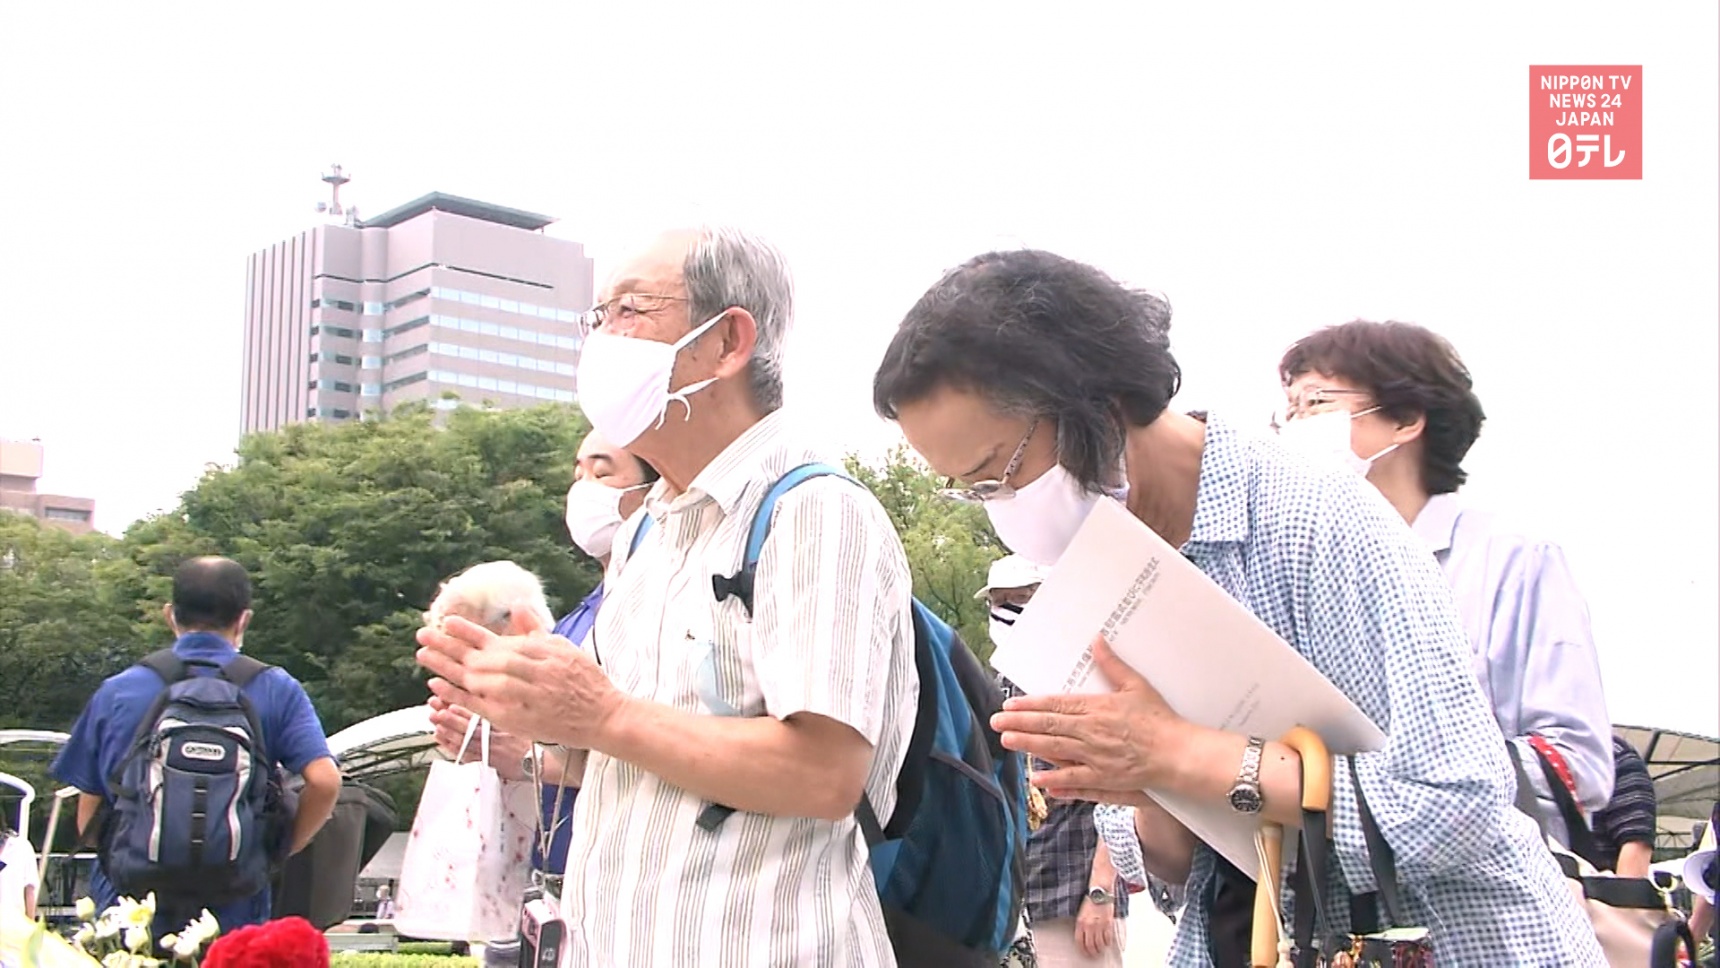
1013	571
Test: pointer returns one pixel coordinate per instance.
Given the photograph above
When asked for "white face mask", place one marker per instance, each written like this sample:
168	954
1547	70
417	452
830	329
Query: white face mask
1003	618
1326	436
594	515
624	382
1041	519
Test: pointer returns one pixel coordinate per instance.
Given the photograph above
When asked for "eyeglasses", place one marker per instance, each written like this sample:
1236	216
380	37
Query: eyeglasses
1310	401
999	490
623	308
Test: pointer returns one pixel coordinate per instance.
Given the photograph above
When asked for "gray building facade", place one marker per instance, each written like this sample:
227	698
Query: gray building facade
441	298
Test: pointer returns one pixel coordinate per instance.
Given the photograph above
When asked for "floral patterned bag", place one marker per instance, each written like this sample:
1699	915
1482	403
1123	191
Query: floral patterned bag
468	860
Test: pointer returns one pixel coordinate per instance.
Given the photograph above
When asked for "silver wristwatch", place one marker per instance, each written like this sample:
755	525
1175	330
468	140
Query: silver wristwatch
1100	896
1245	796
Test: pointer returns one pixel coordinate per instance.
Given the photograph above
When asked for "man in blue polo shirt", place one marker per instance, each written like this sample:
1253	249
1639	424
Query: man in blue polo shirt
210	610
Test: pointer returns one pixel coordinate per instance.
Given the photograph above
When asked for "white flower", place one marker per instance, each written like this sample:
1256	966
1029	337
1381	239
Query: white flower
137	939
186	944
204	929
108	925
86	909
133	914
85	935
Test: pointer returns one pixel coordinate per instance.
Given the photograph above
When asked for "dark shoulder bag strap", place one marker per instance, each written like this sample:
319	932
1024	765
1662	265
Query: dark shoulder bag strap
1381	858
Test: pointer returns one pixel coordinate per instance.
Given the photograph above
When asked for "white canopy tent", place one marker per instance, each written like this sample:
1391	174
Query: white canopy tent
393	742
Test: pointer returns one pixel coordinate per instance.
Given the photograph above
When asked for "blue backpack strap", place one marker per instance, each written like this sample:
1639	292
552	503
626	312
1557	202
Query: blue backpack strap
645	523
740	584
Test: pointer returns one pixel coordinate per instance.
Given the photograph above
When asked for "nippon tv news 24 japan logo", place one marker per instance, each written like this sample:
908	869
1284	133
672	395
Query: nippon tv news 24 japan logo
1585	122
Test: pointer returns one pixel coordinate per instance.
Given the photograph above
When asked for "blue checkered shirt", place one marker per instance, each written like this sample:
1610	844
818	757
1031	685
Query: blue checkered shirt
1318	555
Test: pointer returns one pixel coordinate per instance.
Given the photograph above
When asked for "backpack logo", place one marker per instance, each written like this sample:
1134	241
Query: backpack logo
203	751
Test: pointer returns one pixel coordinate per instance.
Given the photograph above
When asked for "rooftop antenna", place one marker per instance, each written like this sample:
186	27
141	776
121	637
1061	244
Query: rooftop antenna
335	178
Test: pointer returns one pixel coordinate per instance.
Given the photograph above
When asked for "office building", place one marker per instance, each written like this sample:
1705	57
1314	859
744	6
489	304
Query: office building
444	299
20	469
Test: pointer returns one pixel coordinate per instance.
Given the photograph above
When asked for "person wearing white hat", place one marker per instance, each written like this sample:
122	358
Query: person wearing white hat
1009	586
1076	901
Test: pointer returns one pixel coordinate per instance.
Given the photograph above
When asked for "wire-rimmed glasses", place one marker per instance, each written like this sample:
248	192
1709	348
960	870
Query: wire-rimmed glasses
999	490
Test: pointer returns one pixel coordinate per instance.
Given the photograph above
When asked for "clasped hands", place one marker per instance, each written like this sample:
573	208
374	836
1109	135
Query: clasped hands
1104	747
533	685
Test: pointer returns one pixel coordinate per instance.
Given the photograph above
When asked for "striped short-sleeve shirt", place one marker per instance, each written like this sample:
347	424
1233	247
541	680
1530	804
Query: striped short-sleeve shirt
831	634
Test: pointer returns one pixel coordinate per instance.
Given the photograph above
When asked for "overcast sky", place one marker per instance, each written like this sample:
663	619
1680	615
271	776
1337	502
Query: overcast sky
1271	170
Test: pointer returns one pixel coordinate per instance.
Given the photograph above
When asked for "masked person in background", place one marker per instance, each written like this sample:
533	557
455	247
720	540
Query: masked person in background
1043	386
1076	903
1394	403
608	487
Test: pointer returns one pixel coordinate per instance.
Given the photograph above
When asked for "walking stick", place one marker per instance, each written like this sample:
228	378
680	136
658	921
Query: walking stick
1265	950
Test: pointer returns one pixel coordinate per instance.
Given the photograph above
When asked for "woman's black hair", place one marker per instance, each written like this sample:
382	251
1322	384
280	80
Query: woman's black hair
1039	335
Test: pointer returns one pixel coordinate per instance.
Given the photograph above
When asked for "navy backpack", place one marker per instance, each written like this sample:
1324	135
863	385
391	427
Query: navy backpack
949	864
197	808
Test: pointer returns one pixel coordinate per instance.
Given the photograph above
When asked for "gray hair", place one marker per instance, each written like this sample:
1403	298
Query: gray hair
491	594
729	267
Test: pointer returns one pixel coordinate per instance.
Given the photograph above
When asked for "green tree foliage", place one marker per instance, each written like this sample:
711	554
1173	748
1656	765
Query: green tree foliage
66	621
347	530
950	545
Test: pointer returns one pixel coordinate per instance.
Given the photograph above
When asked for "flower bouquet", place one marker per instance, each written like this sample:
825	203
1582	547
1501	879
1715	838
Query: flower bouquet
120	936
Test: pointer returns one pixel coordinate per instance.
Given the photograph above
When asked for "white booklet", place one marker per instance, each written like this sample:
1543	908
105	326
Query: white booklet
1215	663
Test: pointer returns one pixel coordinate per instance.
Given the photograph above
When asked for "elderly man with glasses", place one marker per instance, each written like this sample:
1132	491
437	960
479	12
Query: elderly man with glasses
730	740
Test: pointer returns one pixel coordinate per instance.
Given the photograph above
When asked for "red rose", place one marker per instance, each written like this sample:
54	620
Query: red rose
287	943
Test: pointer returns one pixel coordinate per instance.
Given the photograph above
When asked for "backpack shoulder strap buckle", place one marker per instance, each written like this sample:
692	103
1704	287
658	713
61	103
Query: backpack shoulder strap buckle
740	585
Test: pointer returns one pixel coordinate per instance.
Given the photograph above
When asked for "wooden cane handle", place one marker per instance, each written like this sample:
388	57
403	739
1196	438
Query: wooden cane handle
1316	767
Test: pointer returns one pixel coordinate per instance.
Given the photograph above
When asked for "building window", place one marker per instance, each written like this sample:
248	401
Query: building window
343	359
327	303
340	414
310	413
371	362
373	389
340	331
490	383
313	355
373	335
407	299
65	514
372	308
503	305
404	381
407	326
407	353
340	387
505	332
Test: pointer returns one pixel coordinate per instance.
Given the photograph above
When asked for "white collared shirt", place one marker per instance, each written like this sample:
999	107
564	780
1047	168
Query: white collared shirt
831	634
1533	651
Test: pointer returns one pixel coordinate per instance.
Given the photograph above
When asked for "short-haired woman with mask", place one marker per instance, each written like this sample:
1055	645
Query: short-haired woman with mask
1043	387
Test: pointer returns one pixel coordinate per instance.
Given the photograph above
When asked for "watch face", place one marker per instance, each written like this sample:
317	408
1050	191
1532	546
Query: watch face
1245	799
